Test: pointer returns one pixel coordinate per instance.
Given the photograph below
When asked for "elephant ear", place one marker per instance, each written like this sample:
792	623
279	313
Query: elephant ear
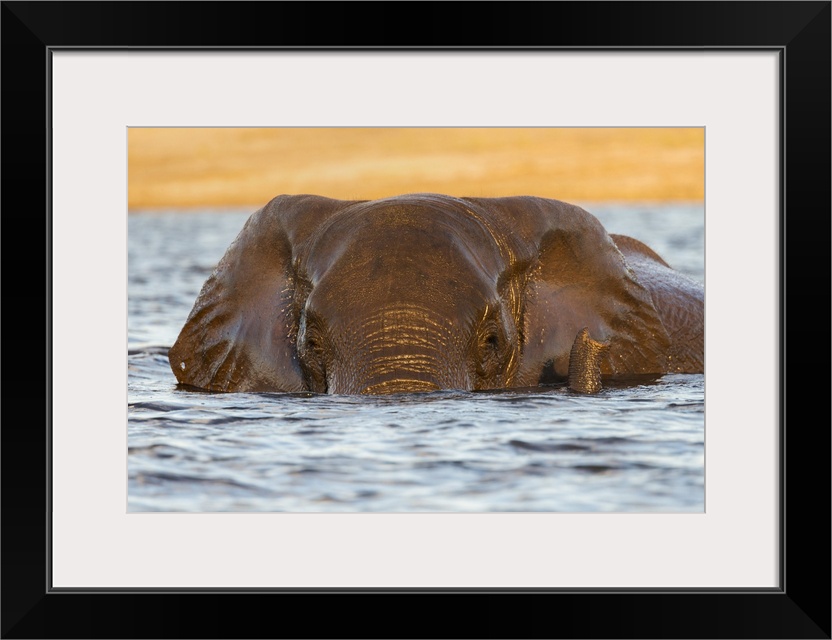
679	300
241	333
577	278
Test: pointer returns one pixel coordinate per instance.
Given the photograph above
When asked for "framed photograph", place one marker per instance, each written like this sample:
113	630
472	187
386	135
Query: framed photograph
82	528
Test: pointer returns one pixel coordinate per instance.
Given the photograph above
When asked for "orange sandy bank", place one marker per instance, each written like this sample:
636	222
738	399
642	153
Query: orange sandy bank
226	167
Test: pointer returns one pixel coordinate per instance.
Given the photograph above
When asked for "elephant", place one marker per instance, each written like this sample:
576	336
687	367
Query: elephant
422	292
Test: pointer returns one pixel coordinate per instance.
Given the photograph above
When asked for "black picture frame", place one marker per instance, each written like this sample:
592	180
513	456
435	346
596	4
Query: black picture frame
798	608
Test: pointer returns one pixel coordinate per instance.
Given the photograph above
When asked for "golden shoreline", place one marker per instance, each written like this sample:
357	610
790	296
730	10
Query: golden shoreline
251	208
186	168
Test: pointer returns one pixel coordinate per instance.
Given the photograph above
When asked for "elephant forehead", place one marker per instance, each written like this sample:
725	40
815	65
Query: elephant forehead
411	269
445	280
404	241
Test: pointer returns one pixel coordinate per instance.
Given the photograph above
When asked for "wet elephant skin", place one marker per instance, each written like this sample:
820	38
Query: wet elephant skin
424	291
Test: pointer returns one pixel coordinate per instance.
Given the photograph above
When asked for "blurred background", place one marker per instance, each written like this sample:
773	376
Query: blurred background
173	168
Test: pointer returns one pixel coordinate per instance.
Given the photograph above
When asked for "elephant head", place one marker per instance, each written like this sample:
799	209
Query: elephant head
423	292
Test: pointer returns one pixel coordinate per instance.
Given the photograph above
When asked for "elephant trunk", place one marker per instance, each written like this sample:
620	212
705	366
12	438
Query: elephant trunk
403	350
399	385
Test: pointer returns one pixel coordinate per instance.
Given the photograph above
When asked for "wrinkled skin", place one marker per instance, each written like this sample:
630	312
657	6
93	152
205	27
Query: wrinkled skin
423	292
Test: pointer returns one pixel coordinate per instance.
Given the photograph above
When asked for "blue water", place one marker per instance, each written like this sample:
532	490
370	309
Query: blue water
636	448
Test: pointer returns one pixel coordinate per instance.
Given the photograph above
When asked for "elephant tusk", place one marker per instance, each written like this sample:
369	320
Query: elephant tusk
585	363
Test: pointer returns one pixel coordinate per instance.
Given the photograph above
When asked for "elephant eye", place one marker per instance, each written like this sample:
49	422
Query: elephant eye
490	335
489	359
490	344
312	345
492	341
309	337
313	342
312	356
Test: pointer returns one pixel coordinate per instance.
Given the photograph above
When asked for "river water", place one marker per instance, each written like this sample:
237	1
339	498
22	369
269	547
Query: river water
633	448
